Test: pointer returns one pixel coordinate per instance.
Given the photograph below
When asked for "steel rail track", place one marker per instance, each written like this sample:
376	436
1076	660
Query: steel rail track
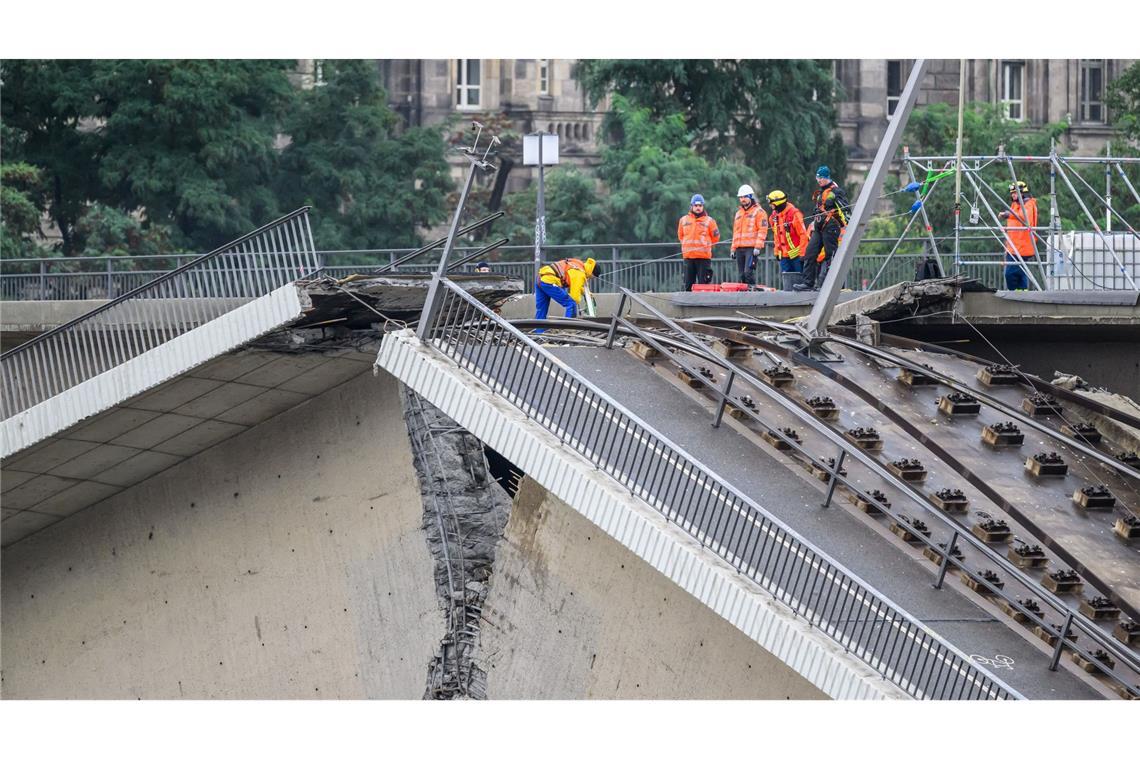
934	447
991	401
793	406
897	341
984	549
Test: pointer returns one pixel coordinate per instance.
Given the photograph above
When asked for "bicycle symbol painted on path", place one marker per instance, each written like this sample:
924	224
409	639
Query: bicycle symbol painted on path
998	661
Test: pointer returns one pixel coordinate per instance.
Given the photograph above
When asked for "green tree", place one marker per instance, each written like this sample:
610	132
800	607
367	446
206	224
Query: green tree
652	172
21	209
776	116
107	231
46	109
644	182
193	142
1123	101
371	187
932	130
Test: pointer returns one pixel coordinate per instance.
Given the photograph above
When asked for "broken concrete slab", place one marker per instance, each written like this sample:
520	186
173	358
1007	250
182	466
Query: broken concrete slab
360	301
904	299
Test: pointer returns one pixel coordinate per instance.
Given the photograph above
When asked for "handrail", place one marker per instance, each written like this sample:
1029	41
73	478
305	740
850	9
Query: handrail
907	489
631	264
849	609
156	282
158	311
438	243
947	559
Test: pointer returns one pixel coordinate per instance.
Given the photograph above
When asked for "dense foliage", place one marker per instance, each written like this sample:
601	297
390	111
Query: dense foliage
777	116
153	156
643	185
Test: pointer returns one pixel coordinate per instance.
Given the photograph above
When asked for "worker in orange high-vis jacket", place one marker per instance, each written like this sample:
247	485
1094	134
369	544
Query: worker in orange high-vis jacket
749	233
828	222
563	281
789	236
697	232
1019	235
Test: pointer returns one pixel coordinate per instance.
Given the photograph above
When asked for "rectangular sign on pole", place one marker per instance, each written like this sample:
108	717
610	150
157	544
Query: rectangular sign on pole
548	151
540	149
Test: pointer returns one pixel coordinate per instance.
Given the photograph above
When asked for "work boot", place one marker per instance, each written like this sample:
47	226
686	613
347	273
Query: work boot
800	287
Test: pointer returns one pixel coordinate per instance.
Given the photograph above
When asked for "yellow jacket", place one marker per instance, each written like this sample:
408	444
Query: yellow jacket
568	273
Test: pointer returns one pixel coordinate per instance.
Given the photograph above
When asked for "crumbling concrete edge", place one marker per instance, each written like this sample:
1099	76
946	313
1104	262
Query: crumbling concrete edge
631	522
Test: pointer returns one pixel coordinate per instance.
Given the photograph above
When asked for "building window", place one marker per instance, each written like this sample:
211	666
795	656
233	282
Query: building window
894	85
467	80
1092	91
1012	90
543	76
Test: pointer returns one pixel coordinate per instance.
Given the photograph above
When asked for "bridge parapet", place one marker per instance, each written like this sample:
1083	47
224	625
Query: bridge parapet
800	577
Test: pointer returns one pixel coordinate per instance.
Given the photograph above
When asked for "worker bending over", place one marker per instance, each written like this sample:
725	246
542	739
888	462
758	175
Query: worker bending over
697	232
788	234
827	228
563	281
1019	235
749	233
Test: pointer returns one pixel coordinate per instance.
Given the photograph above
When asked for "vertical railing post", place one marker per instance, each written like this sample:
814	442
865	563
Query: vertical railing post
110	285
476	164
43	280
1060	642
834	477
614	319
820	315
945	565
724	398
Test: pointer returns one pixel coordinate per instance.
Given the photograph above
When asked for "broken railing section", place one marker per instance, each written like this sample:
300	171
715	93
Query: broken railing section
437	243
211	285
663	475
465	513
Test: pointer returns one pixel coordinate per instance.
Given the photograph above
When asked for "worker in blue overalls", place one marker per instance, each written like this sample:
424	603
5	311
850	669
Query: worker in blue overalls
563	281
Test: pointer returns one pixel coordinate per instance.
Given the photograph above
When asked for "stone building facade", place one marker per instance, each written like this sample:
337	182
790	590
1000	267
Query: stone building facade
535	95
1034	91
542	94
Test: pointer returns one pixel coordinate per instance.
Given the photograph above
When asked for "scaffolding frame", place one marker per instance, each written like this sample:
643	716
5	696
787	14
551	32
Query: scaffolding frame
1058	166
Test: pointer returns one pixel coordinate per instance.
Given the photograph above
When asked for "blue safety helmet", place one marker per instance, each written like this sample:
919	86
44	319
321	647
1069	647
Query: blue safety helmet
698	198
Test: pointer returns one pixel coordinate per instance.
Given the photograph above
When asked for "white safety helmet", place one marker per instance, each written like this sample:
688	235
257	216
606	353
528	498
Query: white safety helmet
746	190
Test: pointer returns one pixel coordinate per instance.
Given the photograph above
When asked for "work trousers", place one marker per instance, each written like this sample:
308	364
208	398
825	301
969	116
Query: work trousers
545	293
827	239
697	270
746	264
1015	277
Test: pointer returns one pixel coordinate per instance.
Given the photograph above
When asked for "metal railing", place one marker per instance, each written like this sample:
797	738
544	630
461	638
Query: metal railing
641	267
158	311
1078	260
723	519
1067	621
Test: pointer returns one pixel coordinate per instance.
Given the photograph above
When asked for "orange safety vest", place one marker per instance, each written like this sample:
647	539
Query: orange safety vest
750	228
820	197
697	235
788	232
1019	239
561	267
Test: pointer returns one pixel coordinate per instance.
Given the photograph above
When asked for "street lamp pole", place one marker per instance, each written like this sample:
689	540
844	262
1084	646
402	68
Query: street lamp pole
540	148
